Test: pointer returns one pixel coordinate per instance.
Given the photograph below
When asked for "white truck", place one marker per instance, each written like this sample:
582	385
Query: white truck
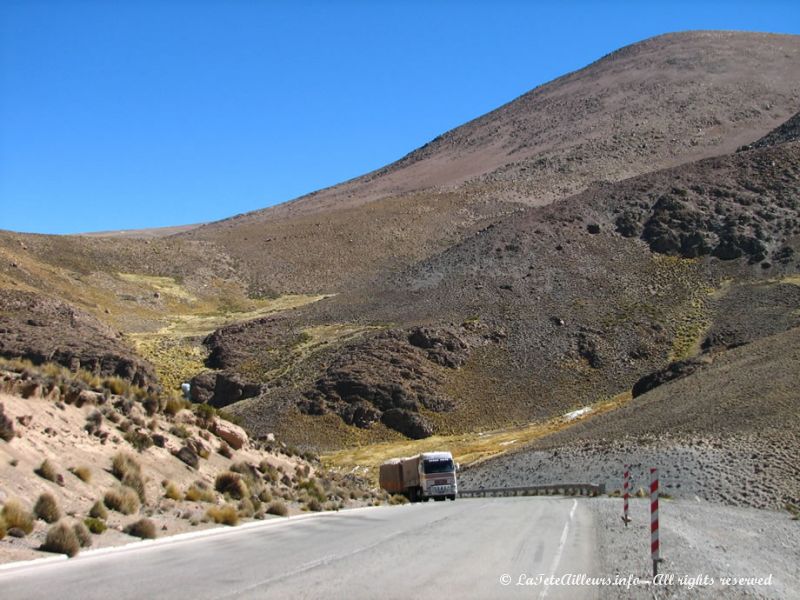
421	477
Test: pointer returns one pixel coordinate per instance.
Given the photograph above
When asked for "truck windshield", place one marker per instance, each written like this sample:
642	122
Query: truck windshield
438	466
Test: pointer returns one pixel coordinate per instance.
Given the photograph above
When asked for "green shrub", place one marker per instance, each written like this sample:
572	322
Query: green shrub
143	528
226	515
278	508
61	538
122	499
46	508
96	526
205	413
98	511
47	470
232	484
16	515
83	535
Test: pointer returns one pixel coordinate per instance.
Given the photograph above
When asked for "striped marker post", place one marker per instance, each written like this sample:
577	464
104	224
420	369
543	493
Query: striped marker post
655	549
626	486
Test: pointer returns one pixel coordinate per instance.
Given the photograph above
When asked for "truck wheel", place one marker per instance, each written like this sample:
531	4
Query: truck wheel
425	498
452	497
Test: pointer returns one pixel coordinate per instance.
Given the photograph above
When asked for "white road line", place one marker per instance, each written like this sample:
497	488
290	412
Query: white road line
562	542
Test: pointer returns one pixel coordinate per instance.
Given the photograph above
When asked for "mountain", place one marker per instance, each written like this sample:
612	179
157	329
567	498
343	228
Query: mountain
659	103
547	255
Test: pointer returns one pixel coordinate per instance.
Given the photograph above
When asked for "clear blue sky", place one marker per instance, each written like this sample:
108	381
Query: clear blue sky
120	115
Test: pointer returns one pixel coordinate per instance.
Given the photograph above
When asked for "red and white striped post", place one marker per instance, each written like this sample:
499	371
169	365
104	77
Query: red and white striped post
626	486
655	549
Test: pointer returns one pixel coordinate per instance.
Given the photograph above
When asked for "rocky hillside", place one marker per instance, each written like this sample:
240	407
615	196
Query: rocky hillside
90	461
668	100
546	255
727	432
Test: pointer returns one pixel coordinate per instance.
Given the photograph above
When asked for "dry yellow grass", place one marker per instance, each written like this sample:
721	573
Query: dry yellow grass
467	448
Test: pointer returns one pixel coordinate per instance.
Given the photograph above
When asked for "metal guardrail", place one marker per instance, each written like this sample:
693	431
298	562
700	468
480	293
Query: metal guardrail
553	489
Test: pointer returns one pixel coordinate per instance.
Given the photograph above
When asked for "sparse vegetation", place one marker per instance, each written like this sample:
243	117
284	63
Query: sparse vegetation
143	528
140	440
278	507
122	499
82	533
172	492
200	492
47	470
232	484
82	473
226	515
98	511
95	525
46	508
17	516
61	539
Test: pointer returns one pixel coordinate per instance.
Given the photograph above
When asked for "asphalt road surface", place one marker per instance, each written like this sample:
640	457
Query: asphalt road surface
471	548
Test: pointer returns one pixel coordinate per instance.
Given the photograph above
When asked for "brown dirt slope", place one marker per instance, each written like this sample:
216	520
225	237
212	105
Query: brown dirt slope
581	298
727	433
665	101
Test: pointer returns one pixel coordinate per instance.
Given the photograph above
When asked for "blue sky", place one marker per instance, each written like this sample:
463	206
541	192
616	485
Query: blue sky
121	115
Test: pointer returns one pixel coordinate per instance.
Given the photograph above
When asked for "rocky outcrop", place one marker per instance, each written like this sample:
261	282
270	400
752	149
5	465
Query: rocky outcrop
219	389
42	329
673	371
389	378
235	436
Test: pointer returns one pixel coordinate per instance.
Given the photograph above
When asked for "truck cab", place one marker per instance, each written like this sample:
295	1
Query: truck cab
437	476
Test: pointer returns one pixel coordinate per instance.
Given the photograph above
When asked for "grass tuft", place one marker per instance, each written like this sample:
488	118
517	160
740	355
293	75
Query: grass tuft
83	535
82	473
278	508
47	470
98	511
232	484
16	515
61	539
226	515
143	528
46	508
122	499
96	526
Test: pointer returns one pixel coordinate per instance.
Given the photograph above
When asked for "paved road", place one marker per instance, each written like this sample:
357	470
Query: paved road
460	549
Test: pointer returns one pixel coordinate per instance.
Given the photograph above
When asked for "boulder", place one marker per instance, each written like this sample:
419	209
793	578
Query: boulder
222	388
673	371
408	423
188	456
235	436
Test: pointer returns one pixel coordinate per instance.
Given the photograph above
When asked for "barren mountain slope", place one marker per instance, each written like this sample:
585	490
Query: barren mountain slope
658	103
728	432
547	309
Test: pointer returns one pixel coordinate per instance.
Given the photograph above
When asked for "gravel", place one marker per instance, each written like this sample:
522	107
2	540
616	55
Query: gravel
699	539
